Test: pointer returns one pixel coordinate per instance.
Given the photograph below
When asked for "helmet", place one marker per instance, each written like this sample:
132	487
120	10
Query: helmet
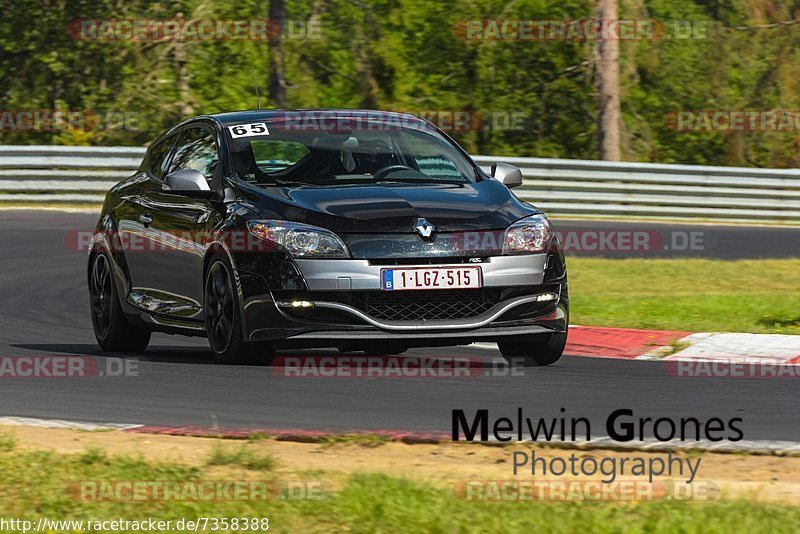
371	156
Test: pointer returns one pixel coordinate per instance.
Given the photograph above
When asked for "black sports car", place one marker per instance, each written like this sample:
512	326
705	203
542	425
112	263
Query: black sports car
359	230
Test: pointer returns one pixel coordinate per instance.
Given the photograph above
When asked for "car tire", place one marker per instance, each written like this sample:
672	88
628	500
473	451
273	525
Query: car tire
223	318
113	331
534	351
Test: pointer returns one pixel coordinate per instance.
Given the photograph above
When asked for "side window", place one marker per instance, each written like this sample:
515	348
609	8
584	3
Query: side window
196	150
157	159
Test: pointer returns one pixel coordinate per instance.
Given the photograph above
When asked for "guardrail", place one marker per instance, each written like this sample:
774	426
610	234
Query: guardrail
583	187
58	175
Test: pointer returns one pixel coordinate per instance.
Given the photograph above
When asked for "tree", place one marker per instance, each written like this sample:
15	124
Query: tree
277	82
608	85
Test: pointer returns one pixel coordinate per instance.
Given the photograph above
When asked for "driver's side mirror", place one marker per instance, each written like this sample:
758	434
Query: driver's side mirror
188	182
510	175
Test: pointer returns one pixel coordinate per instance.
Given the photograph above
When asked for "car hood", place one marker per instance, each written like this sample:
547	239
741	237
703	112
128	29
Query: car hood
391	208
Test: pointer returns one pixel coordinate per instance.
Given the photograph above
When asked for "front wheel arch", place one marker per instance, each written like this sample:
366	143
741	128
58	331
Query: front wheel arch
216	250
237	350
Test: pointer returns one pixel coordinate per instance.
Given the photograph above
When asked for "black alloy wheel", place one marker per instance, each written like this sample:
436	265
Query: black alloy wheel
223	318
219	303
114	332
101	294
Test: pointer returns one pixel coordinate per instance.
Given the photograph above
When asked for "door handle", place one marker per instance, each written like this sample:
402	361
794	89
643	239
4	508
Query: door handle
145	219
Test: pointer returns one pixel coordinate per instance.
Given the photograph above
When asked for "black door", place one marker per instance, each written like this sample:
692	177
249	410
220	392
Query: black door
133	223
176	227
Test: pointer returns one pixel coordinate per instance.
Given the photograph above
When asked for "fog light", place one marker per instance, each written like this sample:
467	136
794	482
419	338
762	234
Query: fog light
544	297
295	304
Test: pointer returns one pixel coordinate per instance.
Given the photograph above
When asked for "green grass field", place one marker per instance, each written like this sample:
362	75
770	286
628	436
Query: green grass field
760	296
35	484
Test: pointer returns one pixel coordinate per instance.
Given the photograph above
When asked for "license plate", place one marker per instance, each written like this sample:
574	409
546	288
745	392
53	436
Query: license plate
431	278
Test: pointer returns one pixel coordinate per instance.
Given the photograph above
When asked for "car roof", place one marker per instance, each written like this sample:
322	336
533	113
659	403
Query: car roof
310	115
235	117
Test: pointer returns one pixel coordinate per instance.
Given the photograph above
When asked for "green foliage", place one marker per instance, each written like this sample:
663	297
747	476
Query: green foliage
92	456
243	456
38	484
409	55
7	442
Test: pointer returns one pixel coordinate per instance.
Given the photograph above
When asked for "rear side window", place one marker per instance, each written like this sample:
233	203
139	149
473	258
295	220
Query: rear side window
157	160
196	150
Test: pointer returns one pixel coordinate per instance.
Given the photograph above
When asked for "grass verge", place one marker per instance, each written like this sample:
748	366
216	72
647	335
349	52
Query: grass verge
241	455
696	295
369	441
391	488
7	442
34	485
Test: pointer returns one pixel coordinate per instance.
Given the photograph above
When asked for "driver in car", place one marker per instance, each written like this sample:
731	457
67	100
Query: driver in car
366	156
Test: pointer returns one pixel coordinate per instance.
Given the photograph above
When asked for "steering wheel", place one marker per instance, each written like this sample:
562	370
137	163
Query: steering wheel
386	171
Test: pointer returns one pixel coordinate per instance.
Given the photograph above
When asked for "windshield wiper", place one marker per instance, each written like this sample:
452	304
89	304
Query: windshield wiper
421	181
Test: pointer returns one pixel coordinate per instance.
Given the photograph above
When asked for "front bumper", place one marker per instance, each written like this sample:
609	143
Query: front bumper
346	275
343	301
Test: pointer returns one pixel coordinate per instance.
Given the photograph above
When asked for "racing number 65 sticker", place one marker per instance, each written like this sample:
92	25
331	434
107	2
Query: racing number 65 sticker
248	130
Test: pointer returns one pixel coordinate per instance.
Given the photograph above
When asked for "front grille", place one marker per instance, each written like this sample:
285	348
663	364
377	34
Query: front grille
428	305
445	304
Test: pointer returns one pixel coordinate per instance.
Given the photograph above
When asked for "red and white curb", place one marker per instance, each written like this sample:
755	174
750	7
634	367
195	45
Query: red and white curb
601	342
732	347
764	447
58	423
280	434
672	345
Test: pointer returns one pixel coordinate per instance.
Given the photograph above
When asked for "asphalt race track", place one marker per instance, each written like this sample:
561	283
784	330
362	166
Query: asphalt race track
44	311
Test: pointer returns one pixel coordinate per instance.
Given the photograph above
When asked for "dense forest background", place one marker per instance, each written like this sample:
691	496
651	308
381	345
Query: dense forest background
411	55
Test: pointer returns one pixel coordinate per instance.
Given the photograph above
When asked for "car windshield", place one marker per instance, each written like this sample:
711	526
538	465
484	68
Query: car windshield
284	151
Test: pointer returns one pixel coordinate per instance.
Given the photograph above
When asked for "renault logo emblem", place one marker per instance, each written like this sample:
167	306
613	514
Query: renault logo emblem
424	228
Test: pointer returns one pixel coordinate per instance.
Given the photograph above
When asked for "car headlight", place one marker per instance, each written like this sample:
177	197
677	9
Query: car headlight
300	240
530	235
